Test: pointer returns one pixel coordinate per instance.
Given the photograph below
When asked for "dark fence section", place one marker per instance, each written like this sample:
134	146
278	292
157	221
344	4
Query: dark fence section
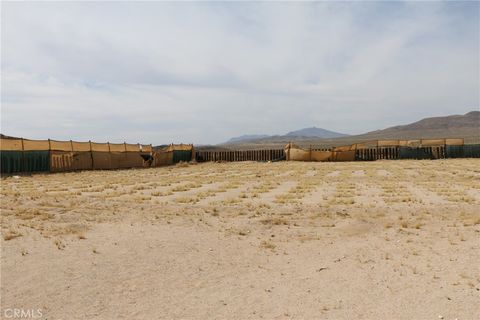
392	153
466	151
419	153
245	155
25	161
371	154
182	155
415	153
367	154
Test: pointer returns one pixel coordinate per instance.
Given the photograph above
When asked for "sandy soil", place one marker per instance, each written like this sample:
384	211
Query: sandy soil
372	240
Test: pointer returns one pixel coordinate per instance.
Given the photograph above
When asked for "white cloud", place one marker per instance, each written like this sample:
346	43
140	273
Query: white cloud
203	72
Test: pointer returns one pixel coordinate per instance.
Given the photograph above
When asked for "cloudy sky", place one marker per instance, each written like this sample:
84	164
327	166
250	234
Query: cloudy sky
155	72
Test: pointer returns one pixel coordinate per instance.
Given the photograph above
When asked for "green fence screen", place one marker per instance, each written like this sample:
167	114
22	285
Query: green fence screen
182	155
24	161
415	153
466	151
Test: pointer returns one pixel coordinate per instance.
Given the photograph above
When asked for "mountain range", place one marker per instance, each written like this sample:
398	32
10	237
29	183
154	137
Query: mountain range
312	132
465	126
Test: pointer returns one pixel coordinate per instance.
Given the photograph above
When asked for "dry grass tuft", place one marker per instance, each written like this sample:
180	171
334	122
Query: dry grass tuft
267	245
274	221
11	234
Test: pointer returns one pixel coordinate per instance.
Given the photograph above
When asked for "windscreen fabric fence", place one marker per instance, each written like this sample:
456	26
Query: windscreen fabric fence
162	158
172	154
466	151
182	156
369	154
295	153
72	146
23	155
420	153
24	161
263	155
387	149
62	161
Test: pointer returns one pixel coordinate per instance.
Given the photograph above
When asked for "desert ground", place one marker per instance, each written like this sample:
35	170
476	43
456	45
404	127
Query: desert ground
286	240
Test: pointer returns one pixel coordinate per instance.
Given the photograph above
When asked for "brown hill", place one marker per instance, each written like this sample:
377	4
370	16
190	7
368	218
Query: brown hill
456	125
465	126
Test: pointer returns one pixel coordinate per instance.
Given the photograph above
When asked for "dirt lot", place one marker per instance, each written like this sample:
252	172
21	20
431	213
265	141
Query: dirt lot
373	240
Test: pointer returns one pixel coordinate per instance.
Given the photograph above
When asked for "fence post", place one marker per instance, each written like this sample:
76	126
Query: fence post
91	154
445	148
22	159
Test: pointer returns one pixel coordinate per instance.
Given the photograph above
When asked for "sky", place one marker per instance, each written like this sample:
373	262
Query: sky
203	72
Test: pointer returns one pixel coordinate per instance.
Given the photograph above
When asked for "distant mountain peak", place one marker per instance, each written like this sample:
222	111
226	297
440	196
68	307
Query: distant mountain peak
316	133
312	132
247	137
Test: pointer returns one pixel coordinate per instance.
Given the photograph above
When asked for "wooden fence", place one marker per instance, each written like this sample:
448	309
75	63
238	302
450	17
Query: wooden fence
392	153
371	154
244	155
367	154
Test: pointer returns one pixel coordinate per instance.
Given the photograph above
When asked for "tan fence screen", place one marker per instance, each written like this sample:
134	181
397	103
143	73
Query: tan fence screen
366	145
185	147
61	145
432	142
101	160
398	143
36	145
161	158
343	155
388	143
414	143
82	161
11	144
379	149
117	147
40	145
454	142
123	160
295	153
100	147
344	148
146	147
81	146
132	147
441	142
119	160
321	155
62	161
